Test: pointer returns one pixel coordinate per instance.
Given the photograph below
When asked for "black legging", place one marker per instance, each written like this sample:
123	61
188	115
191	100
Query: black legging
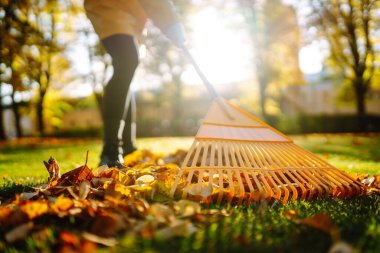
122	49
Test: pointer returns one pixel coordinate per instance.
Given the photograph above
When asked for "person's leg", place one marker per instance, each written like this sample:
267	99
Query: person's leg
129	133
124	55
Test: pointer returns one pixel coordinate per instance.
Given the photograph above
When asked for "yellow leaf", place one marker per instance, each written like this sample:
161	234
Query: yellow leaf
123	190
187	208
62	204
290	214
144	180
201	189
34	209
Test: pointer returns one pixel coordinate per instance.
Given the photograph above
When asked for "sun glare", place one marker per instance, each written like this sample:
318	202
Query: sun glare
310	59
222	53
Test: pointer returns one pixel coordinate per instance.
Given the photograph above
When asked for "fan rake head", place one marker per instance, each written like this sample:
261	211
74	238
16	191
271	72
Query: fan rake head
243	160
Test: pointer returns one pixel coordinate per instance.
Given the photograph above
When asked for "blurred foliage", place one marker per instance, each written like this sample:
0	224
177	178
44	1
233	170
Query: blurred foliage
349	28
276	40
38	39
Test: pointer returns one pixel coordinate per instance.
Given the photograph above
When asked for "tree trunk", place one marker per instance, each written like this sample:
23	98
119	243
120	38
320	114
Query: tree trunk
2	130
40	113
99	102
360	92
16	112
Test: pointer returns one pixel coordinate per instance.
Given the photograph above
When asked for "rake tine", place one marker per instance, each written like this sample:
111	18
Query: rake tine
245	160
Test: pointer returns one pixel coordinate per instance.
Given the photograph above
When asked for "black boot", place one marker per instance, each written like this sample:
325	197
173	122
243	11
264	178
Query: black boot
128	143
112	156
112	153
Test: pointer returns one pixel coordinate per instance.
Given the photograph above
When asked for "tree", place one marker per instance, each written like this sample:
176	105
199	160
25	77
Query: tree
51	20
16	32
276	41
349	27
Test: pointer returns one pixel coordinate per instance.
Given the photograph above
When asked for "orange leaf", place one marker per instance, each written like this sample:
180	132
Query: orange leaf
62	204
5	212
34	208
290	214
320	221
70	238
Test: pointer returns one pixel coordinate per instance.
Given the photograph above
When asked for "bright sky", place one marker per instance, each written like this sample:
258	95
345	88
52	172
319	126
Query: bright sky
223	54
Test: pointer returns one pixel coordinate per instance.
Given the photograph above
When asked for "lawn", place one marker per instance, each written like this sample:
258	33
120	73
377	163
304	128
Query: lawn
261	227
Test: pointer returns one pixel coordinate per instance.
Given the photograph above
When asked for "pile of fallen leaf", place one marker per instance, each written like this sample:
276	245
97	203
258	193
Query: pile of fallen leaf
92	207
103	203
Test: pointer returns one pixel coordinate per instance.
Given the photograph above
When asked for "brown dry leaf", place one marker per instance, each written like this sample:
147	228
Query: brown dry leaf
319	221
5	212
84	189
34	208
19	233
16	218
322	222
53	169
75	176
107	224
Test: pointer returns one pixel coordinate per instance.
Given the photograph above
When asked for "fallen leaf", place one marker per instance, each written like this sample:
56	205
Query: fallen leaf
70	239
84	189
98	239
5	212
28	195
342	247
107	224
186	208
62	203
19	233
320	221
145	179
177	229
53	169
290	214
161	213
34	208
200	189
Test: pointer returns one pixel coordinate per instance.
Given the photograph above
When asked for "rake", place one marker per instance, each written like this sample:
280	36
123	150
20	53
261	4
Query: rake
236	158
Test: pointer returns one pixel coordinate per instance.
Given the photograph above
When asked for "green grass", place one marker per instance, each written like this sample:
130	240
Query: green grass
250	229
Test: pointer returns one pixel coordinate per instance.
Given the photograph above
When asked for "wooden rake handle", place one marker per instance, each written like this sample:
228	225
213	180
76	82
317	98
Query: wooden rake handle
210	88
